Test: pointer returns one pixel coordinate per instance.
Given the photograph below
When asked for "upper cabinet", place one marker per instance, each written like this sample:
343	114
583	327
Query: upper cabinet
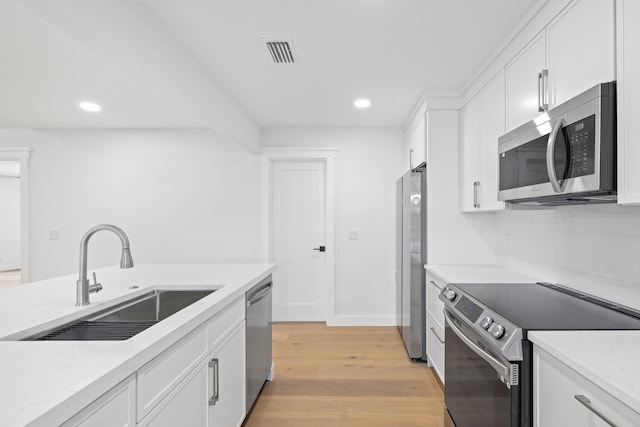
525	76
581	49
573	53
415	141
628	90
482	123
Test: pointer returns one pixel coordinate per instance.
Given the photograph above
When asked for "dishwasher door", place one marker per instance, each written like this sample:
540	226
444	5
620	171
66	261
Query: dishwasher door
258	314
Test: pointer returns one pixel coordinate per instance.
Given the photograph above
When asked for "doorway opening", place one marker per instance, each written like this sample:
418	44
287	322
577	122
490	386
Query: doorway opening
14	216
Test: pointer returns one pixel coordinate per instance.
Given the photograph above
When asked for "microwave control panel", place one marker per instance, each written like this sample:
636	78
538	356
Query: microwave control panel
581	138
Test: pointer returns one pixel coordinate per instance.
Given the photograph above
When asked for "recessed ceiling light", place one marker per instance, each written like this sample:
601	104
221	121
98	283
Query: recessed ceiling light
362	103
90	106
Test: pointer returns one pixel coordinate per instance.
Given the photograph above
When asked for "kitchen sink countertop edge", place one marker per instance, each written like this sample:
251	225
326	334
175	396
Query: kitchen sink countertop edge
46	382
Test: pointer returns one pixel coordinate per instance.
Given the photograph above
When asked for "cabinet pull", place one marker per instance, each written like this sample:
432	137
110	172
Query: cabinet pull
543	78
410	158
435	284
436	334
476	186
587	403
214	363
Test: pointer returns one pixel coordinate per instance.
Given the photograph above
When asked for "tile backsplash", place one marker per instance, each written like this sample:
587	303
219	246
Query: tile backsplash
586	247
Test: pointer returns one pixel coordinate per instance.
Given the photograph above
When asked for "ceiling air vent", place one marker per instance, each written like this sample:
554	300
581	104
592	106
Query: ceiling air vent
281	51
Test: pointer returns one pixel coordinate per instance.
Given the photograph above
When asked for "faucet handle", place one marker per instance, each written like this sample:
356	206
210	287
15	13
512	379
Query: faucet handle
96	287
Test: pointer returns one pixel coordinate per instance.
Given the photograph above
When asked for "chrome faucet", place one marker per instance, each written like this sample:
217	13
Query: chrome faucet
83	289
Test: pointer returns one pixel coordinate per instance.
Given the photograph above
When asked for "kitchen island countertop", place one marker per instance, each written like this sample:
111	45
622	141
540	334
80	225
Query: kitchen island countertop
44	383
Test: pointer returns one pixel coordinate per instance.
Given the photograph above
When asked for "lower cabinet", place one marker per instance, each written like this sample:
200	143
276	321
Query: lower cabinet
564	398
212	394
435	325
116	408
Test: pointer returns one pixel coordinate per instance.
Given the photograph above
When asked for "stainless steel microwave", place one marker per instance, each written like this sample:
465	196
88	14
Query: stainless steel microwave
565	156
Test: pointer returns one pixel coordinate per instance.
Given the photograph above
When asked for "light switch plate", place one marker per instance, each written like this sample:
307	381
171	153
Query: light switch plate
353	234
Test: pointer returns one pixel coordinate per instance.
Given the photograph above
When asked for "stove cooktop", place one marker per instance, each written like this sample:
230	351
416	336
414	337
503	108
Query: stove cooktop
539	306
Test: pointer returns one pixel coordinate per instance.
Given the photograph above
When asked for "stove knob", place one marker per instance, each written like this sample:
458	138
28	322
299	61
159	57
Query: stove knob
486	322
450	295
498	331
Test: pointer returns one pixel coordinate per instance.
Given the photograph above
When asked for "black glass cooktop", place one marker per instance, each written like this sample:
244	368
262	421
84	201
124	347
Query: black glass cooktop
548	307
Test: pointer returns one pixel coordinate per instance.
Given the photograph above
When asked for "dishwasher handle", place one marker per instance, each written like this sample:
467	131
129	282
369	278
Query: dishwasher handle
259	294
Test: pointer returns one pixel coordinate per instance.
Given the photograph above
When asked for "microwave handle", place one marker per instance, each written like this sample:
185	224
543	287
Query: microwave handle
558	186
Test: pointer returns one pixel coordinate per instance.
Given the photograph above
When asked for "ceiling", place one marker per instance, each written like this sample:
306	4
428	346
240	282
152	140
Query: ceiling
160	63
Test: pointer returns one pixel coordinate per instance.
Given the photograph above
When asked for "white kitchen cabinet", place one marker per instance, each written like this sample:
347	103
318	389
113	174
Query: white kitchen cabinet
482	124
628	93
116	408
415	140
227	388
523	75
555	387
581	49
435	324
182	380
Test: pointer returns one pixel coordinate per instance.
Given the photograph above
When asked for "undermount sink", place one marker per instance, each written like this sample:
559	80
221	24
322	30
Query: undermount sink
124	320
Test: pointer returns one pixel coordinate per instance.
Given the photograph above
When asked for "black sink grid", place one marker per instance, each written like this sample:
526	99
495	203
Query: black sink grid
85	330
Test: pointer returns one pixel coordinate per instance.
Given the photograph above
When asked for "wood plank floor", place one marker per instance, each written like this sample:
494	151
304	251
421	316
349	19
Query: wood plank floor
345	376
10	277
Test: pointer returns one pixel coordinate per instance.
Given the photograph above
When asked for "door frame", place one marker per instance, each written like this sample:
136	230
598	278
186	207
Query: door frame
294	154
22	154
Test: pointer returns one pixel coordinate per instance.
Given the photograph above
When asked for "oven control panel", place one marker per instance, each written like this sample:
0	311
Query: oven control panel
498	331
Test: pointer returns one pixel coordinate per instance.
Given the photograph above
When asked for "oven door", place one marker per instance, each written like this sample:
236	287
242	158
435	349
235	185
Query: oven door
481	388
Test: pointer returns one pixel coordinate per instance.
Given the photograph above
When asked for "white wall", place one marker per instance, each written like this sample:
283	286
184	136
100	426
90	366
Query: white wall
368	163
591	248
9	223
180	195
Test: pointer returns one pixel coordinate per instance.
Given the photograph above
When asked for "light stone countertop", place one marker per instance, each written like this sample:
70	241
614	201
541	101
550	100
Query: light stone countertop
479	274
609	359
45	383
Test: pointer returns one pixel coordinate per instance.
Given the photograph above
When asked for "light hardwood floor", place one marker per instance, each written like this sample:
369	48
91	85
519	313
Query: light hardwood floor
345	376
10	277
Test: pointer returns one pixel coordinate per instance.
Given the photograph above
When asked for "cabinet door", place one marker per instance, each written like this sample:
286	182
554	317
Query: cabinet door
522	83
186	405
581	49
491	124
469	146
227	388
116	408
555	388
628	46
415	141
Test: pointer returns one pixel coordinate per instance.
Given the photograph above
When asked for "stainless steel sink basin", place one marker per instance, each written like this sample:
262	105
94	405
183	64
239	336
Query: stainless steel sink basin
124	320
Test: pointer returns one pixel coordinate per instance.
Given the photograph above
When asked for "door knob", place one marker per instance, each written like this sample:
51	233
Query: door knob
321	249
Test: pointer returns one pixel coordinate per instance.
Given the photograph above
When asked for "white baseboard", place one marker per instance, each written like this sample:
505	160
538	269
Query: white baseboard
349	320
9	267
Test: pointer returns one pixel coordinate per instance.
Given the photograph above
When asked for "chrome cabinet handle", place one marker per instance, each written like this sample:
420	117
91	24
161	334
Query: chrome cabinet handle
410	158
587	403
476	186
543	78
214	363
557	186
436	334
435	284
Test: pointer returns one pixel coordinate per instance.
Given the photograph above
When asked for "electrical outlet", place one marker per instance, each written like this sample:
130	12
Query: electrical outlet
353	234
54	234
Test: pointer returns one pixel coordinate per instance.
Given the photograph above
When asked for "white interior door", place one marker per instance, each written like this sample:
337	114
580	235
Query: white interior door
298	227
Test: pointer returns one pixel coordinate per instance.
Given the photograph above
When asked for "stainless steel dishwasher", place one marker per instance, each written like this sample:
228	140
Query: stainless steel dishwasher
258	316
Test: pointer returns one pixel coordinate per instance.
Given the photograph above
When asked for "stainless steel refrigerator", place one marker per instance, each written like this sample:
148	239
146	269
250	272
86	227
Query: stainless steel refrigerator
411	256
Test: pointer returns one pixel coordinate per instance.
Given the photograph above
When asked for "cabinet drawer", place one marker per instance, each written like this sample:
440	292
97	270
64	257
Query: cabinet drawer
434	306
157	378
435	346
114	408
555	404
221	324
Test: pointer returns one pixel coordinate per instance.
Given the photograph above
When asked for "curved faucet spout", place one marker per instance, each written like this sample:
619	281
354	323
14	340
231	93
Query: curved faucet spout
83	289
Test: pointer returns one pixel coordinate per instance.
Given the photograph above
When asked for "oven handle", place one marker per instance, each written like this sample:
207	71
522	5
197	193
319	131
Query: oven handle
500	367
558	186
